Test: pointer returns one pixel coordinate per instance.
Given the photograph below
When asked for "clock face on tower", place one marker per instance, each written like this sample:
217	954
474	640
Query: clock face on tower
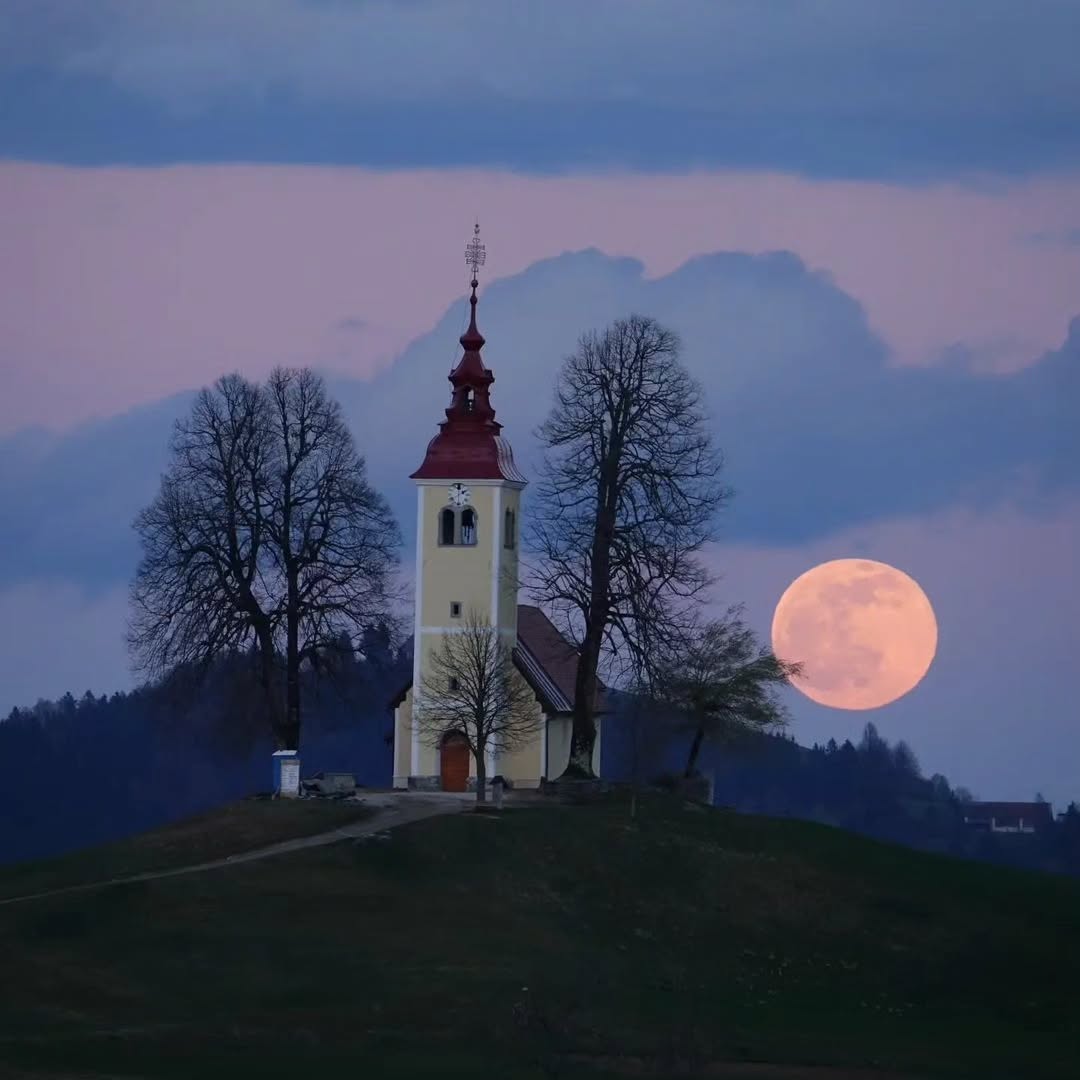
459	494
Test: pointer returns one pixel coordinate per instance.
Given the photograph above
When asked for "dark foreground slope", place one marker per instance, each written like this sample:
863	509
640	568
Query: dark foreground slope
555	942
216	834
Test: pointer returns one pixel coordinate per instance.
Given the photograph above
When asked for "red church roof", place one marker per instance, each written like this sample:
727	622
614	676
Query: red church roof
469	445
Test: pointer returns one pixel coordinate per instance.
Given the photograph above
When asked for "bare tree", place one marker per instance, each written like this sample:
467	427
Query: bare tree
265	537
200	591
627	498
333	538
471	687
722	683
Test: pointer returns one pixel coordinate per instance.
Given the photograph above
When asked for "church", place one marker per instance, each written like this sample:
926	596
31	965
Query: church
468	514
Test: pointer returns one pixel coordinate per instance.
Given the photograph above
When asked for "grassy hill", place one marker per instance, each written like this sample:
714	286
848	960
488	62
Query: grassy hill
555	942
230	830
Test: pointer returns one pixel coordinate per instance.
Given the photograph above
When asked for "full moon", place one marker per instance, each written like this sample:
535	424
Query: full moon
864	632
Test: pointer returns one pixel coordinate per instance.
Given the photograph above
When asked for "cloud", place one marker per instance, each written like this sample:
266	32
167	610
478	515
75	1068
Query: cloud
59	637
120	286
1055	238
73	497
835	87
819	430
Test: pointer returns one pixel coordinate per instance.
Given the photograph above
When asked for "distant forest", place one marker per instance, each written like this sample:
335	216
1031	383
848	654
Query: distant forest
89	770
871	787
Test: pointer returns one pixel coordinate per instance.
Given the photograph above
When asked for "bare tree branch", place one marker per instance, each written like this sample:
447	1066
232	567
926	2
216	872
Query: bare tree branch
334	540
264	535
721	683
628	496
472	687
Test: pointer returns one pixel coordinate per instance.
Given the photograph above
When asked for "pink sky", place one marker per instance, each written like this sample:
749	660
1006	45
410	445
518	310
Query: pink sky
118	286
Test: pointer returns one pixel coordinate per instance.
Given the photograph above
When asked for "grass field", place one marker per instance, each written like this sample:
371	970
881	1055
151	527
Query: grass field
242	826
555	942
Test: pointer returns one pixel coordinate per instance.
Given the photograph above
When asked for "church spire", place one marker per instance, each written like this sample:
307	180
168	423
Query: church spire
468	444
475	254
472	341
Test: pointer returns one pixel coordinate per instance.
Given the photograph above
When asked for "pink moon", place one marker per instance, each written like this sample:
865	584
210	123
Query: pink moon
864	632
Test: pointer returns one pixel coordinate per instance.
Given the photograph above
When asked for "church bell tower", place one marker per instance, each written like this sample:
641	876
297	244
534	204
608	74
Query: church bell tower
468	493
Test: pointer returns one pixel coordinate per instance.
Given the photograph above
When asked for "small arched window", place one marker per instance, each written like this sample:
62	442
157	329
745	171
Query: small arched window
509	526
468	525
470	401
447	525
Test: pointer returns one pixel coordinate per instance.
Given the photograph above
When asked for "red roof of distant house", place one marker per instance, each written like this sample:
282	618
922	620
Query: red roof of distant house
1009	813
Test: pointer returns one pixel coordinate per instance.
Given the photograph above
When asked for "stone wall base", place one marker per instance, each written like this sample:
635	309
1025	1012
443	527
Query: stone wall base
425	783
434	783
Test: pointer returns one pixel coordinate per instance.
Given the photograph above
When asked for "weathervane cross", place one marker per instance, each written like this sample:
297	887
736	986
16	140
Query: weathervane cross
475	252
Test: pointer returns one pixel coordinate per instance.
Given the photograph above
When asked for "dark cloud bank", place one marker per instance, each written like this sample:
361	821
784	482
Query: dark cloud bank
912	89
820	432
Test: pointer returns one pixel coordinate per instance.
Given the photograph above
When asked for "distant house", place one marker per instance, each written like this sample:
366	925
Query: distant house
1008	817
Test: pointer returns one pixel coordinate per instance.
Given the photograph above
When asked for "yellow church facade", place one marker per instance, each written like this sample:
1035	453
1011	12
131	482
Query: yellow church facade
468	515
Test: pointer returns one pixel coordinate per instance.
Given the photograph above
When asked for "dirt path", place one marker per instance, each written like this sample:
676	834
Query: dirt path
392	810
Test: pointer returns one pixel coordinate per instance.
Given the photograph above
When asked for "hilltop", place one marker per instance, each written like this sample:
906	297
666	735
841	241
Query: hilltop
552	942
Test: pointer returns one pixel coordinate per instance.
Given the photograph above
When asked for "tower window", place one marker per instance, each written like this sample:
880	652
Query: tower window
447	525
509	528
470	401
468	526
455	609
454	684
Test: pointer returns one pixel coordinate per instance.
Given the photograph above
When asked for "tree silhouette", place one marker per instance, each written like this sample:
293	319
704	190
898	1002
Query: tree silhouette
472	688
265	539
722	683
627	498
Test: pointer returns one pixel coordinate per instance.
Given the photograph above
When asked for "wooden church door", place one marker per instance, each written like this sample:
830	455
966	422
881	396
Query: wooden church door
454	762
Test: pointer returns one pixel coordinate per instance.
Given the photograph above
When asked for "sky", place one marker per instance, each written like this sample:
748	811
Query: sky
862	217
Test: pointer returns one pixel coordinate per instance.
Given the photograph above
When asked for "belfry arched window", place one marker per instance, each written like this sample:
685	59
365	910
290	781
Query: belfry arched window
457	527
447	526
509	528
468	526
